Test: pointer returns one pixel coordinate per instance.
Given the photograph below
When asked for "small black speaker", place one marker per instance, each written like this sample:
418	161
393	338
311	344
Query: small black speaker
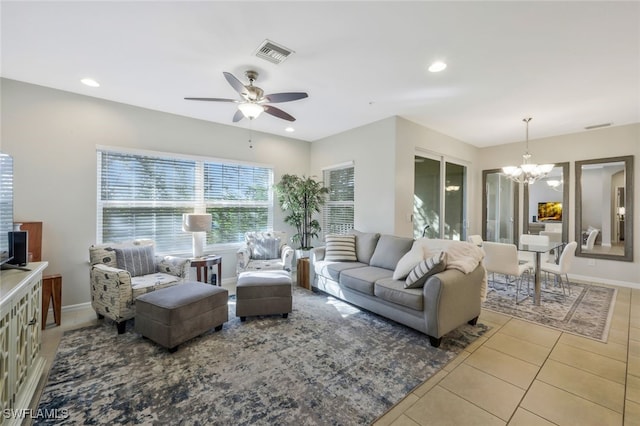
18	247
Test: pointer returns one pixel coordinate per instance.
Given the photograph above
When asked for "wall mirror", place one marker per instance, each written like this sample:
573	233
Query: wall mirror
604	208
546	205
499	207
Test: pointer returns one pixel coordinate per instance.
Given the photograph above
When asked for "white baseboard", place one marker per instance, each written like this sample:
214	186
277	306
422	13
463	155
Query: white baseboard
605	281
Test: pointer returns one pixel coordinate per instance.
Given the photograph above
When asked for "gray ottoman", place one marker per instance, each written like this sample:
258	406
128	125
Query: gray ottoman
263	293
173	315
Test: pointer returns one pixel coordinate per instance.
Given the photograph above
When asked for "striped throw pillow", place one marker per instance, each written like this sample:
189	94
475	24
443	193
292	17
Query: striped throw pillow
423	270
137	260
340	248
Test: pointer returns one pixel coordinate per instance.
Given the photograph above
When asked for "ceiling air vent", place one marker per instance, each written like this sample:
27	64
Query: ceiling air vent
273	52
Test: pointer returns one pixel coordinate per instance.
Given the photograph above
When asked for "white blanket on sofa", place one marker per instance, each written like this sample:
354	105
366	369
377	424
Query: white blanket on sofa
461	255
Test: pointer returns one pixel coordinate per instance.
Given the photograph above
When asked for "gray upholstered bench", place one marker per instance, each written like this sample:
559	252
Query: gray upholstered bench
263	293
173	315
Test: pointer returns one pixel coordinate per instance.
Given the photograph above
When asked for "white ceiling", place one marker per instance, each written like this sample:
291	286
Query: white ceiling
566	64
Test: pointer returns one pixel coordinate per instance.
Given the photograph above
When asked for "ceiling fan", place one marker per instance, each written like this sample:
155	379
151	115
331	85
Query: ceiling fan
254	101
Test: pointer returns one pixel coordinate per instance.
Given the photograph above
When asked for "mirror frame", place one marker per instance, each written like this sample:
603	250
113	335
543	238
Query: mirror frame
628	225
565	202
516	208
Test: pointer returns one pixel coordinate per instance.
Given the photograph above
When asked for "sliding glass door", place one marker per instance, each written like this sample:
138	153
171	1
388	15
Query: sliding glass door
439	192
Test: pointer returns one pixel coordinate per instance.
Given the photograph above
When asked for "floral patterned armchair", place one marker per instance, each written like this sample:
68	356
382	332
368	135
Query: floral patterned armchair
120	272
264	251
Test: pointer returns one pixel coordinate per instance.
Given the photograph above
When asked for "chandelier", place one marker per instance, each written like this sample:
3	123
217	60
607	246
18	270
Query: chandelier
527	173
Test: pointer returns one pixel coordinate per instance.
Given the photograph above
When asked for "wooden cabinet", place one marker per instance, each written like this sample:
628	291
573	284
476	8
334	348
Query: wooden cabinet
34	239
21	363
302	278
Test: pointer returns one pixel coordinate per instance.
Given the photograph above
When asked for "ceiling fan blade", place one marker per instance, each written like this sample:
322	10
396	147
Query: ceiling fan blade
285	97
238	116
277	112
235	83
212	99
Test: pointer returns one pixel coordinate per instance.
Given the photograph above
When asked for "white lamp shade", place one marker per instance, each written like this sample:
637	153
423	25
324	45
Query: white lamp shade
192	222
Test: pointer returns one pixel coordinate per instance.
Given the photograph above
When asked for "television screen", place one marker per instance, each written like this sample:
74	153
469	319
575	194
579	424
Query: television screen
6	205
550	211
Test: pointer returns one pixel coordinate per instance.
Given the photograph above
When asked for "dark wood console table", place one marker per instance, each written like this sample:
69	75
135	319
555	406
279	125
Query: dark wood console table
202	265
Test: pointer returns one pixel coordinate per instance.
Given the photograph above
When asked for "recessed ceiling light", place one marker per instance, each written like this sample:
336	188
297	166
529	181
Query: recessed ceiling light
90	82
290	129
437	66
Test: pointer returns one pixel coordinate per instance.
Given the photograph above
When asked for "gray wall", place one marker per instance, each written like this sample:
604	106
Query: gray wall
53	137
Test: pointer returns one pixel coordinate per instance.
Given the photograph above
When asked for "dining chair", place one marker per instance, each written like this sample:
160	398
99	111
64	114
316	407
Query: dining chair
501	258
562	268
554	237
591	240
525	256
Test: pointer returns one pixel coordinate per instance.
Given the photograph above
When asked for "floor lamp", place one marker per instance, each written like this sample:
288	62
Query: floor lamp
198	225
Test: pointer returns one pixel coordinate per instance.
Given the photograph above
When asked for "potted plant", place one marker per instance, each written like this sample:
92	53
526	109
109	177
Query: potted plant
301	198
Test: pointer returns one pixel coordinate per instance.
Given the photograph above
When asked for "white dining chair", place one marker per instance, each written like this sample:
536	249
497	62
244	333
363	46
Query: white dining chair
554	237
562	268
591	240
501	258
527	256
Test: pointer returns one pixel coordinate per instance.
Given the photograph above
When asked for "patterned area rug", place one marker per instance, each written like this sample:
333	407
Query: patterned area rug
328	363
586	311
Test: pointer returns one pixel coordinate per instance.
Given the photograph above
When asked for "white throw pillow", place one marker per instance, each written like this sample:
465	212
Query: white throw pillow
408	262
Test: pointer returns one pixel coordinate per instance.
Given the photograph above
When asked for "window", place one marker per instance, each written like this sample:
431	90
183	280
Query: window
338	210
144	195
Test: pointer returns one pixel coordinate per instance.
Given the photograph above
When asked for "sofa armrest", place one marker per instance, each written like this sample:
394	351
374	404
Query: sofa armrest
173	265
452	298
286	255
316	254
111	292
243	256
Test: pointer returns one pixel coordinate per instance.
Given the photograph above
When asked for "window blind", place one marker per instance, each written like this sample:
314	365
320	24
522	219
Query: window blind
145	196
338	210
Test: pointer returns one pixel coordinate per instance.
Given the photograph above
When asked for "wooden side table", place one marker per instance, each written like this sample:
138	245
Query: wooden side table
51	291
202	266
302	277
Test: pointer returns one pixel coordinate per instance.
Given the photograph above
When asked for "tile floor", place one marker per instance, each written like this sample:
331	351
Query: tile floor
526	374
519	373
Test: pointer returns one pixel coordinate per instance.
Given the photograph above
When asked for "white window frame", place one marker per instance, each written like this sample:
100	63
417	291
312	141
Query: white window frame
199	205
329	203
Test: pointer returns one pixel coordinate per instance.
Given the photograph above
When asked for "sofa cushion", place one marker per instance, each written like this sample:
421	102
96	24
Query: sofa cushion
423	270
147	283
393	291
137	260
340	248
365	244
409	261
390	250
332	270
362	279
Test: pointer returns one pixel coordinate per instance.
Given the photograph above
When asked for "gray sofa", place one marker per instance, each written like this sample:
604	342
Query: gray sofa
447	300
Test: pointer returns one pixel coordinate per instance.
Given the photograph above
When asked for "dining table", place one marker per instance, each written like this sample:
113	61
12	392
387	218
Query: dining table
538	250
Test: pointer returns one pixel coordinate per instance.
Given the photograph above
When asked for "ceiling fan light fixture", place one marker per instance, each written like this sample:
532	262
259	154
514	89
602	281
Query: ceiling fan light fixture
251	110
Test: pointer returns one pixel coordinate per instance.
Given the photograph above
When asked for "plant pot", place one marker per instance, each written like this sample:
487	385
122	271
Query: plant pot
300	253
